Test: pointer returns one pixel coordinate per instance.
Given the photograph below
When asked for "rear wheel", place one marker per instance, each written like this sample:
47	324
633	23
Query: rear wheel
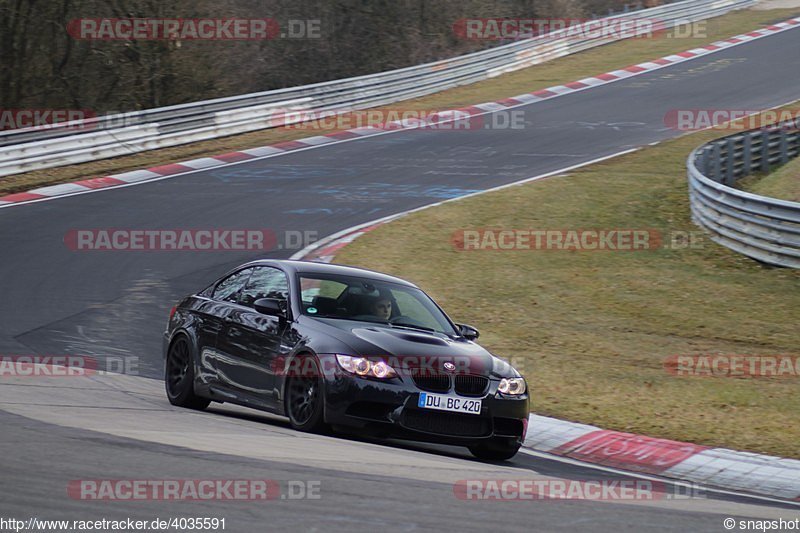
305	398
179	376
496	449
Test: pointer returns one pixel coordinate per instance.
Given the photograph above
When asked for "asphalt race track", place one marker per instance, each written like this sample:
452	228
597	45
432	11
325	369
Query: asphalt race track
115	304
120	427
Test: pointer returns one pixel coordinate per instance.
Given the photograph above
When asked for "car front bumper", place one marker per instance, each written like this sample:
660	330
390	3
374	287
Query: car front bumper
390	408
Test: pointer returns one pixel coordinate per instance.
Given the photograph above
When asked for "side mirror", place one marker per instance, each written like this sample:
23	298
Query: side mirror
271	306
468	332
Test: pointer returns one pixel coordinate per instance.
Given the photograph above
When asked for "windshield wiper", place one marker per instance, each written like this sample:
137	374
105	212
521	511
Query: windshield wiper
383	322
411	326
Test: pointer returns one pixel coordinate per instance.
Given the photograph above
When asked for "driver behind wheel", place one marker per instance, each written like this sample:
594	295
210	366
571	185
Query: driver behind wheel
382	308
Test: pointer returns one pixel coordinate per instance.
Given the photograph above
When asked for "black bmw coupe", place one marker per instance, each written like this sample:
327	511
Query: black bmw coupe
342	348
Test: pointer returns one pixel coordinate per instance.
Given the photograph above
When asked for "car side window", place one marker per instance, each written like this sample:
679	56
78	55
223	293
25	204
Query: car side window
228	289
265	282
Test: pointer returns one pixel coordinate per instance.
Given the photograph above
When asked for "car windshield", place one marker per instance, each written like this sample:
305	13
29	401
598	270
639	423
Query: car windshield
371	300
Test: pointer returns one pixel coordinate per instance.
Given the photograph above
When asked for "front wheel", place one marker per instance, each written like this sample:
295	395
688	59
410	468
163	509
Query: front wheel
495	450
305	399
179	376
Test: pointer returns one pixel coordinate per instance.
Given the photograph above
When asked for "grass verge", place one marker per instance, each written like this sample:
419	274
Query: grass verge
783	183
563	70
591	330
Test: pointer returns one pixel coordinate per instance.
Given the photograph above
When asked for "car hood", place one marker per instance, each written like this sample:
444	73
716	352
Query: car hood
411	348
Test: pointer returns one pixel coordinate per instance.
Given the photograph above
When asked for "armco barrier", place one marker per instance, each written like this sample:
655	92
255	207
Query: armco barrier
35	148
763	228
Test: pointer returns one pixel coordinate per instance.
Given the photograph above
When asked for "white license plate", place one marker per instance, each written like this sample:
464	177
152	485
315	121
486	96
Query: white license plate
449	403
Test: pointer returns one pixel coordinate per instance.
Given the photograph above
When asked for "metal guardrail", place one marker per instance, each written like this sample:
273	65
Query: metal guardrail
765	229
114	135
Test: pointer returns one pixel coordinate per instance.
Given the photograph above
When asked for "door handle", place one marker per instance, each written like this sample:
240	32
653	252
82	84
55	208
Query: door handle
227	320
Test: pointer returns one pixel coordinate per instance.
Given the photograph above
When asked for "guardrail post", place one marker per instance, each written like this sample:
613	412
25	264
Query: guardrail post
747	157
795	141
715	162
730	148
765	151
784	146
704	163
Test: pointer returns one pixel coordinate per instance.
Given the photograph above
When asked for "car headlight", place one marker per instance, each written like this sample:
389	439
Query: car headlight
364	367
512	386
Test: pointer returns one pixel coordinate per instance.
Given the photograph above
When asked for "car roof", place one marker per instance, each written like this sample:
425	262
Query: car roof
313	267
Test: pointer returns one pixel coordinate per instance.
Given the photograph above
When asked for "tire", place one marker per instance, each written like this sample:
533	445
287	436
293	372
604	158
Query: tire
305	399
495	450
179	376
